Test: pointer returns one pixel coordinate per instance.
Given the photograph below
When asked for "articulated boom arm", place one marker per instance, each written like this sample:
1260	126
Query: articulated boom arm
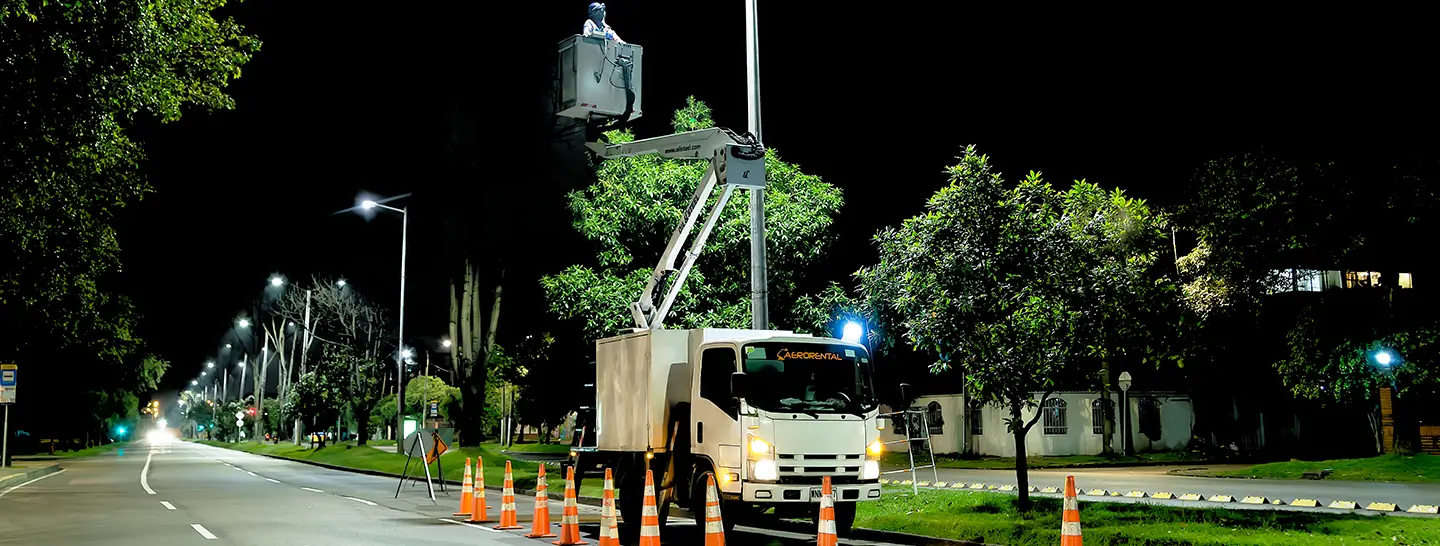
728	154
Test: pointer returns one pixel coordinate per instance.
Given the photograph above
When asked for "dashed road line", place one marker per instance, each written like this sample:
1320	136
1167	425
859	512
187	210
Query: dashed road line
313	490
203	531
251	473
272	480
167	505
457	522
361	501
14	487
145	474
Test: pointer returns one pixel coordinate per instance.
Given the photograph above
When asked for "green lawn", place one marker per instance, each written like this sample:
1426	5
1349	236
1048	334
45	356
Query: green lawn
369	458
902	460
991	518
96	450
1419	468
535	448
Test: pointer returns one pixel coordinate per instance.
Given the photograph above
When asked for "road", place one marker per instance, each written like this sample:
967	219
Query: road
194	494
1157	479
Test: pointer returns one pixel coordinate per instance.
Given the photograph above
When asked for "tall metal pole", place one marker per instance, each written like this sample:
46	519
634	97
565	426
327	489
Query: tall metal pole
400	355
759	284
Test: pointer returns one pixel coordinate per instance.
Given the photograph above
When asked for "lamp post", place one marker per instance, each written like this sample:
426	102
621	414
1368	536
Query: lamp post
400	353
1125	413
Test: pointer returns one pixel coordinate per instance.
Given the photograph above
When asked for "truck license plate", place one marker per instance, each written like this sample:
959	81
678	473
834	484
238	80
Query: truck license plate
815	493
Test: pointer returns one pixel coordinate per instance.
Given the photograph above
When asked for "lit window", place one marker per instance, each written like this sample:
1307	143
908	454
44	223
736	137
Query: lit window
1362	279
1405	281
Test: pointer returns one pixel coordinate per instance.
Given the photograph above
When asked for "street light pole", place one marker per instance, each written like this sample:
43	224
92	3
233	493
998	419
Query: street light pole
400	356
759	283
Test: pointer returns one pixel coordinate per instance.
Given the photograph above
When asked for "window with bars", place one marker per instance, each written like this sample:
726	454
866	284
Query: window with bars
1097	416
1054	416
977	426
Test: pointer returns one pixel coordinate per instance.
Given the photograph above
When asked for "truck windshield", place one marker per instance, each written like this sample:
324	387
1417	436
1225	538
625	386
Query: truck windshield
809	377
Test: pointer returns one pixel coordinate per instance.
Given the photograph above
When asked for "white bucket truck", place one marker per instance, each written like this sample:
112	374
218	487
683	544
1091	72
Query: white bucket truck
768	413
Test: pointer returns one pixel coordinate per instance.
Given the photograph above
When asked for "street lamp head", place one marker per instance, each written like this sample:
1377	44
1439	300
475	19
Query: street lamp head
194	382
341	283
367	204
276	281
243	323
445	343
852	332
404	353
1383	358
210	364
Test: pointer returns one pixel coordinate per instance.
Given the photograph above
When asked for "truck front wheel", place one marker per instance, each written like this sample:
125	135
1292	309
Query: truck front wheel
729	511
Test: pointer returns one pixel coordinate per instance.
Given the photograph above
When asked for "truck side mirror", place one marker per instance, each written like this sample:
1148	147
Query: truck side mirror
739	385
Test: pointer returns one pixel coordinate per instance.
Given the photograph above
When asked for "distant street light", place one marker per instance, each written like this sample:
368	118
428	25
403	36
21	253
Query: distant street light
194	382
402	353
227	345
341	283
243	323
445	343
211	364
276	281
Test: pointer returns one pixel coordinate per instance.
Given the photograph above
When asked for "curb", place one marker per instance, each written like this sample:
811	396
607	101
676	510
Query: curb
30	474
1077	466
1212	501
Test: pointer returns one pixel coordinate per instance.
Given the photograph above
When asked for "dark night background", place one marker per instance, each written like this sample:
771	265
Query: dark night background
344	99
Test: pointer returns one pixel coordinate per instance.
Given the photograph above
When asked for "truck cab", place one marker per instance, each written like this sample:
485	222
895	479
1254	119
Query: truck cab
768	413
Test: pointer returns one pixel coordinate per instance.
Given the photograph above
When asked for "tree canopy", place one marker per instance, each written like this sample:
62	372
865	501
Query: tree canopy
1017	285
78	77
629	212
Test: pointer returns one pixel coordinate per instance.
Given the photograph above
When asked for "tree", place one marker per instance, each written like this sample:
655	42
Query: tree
79	76
634	205
472	347
1005	283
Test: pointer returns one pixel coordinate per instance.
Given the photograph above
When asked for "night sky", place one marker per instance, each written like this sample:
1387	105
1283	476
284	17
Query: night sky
344	100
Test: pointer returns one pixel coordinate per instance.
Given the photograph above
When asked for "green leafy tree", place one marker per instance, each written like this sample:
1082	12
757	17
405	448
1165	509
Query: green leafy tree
635	204
78	76
1007	283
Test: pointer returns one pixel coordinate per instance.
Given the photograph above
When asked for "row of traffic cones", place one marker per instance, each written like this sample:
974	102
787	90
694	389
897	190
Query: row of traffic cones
472	505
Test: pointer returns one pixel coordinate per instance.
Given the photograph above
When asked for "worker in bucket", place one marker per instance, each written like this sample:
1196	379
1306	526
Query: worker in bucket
596	23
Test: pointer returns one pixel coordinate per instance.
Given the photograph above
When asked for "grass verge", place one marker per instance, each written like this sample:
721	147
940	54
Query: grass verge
369	458
536	448
1419	468
902	460
991	518
89	451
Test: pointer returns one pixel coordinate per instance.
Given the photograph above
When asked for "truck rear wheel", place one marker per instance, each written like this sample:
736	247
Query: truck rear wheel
632	498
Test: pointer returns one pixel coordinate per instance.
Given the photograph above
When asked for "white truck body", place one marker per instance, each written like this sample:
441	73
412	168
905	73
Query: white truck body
650	384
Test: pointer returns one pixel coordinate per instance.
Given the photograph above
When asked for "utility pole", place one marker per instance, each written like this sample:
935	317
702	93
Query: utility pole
759	283
400	356
304	351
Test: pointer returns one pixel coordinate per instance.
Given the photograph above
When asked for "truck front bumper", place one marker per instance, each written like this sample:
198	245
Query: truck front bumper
763	492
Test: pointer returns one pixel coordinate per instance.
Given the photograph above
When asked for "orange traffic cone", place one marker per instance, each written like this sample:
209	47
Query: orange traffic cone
609	528
649	514
467	492
508	518
570	516
479	511
1070	518
714	528
540	526
826	536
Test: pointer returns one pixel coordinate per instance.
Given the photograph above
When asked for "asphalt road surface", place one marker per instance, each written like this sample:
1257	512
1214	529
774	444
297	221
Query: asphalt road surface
194	494
1157	479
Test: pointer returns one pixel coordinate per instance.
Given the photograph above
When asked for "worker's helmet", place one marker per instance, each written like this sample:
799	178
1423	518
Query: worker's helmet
597	10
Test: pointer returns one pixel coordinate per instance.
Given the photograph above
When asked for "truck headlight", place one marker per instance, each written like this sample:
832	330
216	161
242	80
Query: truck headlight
871	470
766	470
759	448
875	449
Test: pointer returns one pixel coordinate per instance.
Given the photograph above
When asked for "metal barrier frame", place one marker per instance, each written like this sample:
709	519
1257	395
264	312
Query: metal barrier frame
929	448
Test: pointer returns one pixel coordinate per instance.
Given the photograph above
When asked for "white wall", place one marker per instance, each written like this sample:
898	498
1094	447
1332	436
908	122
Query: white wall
1176	422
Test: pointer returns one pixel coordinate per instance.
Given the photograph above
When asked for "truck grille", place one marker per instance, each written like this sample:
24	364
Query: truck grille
810	468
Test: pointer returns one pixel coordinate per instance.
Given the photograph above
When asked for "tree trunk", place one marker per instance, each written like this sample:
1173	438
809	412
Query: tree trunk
1107	421
362	425
1022	473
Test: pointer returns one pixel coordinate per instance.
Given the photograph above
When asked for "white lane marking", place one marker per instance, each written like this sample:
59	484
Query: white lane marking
203	531
457	522
251	473
12	488
145	474
362	501
272	480
313	490
168	505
